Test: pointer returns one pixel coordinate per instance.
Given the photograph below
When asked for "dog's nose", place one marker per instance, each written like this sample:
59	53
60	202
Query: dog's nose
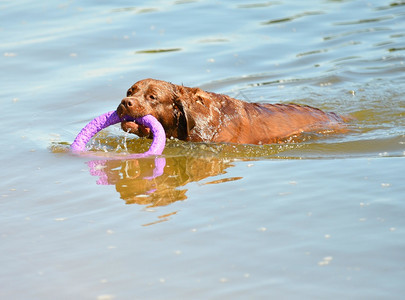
127	102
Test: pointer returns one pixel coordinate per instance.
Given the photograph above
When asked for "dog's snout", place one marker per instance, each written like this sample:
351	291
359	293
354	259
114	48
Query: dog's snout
127	102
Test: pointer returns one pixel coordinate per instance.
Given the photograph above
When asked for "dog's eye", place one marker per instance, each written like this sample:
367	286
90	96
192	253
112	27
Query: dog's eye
152	97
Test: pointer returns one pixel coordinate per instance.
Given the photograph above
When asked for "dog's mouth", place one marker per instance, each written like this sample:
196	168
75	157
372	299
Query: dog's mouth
128	124
128	114
135	128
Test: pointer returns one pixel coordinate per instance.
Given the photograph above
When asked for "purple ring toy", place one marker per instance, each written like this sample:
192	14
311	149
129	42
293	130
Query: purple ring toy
110	118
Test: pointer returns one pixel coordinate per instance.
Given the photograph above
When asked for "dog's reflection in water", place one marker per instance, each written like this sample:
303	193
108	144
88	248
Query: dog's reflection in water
157	181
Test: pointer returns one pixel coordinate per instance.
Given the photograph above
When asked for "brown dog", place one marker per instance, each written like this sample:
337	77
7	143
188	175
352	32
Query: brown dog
192	114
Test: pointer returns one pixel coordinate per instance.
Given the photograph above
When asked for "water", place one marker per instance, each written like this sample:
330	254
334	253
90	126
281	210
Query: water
318	219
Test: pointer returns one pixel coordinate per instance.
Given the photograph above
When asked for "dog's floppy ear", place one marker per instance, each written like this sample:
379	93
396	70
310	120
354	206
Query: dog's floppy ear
185	118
